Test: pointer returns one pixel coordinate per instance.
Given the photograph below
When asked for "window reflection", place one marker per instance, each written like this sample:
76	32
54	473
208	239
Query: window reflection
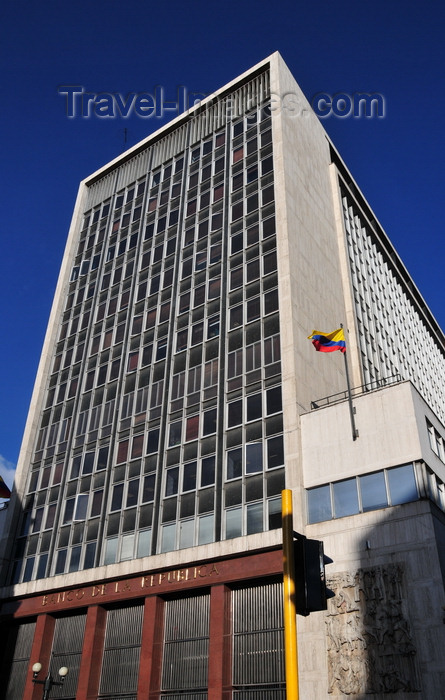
402	484
373	491
345	498
319	504
361	494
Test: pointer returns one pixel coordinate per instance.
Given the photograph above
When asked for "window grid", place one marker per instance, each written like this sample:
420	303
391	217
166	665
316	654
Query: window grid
363	493
98	448
384	313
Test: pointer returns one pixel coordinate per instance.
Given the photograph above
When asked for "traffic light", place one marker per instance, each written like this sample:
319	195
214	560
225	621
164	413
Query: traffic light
311	593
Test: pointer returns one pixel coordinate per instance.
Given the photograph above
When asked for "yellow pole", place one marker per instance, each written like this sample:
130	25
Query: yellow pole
290	618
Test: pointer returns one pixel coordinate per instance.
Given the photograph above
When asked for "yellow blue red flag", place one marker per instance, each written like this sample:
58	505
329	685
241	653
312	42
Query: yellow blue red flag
328	342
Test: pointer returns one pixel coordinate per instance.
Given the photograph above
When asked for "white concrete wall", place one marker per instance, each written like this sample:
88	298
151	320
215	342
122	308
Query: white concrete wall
310	285
405	535
392	431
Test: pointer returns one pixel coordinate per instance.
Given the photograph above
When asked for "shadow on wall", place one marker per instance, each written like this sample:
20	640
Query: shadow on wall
15	640
371	650
385	622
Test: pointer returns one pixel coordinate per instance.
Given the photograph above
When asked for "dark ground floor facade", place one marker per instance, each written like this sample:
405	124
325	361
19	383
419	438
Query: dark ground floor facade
211	630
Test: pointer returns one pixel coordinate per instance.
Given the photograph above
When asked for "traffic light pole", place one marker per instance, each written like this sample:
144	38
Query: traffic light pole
290	616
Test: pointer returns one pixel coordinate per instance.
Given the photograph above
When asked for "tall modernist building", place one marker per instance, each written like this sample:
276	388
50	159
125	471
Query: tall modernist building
178	394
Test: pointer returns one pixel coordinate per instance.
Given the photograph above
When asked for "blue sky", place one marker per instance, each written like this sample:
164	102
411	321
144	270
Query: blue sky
393	48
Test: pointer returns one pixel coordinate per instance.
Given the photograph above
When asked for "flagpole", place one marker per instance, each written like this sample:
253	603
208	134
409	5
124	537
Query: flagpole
351	408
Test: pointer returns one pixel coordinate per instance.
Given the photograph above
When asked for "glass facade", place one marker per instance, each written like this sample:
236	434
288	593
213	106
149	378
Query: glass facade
162	425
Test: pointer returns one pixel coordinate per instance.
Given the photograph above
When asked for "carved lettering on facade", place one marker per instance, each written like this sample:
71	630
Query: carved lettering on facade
370	646
62	596
99	590
127	586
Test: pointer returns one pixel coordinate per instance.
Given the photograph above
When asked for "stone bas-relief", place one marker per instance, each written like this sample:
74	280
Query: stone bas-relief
370	646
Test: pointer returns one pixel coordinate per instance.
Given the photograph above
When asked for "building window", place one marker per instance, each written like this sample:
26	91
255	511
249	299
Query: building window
373	491
402	484
116	501
363	493
254	407
207	471
234	413
209	422
436	441
254	457
80	512
345	498
238	154
175	434
122	451
275	452
234	463
172	481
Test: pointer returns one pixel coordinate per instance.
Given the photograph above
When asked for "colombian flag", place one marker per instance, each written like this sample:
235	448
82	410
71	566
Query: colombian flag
328	342
4	491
